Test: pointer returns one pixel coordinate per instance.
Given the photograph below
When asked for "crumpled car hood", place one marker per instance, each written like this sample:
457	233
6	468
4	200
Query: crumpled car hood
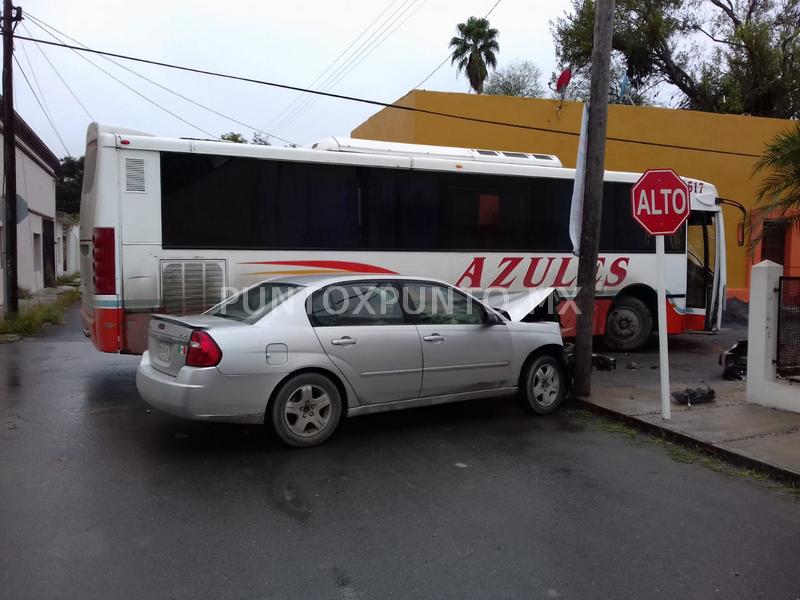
516	304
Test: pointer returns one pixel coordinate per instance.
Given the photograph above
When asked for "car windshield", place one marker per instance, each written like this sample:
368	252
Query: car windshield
250	305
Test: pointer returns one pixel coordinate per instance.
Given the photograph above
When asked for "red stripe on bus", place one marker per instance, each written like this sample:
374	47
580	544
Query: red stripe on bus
106	329
342	265
693	322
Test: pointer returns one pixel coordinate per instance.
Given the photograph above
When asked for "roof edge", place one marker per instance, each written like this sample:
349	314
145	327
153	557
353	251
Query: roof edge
27	135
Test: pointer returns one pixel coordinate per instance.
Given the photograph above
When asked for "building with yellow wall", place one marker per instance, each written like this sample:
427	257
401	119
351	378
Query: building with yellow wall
720	149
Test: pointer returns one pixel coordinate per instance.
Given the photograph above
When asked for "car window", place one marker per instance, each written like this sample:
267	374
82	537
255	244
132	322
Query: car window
435	304
249	305
368	303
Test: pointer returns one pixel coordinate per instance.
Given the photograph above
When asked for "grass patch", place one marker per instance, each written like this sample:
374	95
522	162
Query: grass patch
682	454
579	413
689	454
618	428
70	279
29	321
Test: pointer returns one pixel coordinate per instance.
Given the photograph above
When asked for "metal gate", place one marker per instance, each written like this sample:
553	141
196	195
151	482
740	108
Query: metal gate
788	356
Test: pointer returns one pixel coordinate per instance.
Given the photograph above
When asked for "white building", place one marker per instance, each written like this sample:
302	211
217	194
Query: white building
67	244
36	212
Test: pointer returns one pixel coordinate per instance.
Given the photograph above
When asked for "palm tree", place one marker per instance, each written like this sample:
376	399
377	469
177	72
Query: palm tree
474	49
779	193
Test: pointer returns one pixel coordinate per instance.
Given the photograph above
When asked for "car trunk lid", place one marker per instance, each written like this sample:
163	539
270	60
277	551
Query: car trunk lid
168	338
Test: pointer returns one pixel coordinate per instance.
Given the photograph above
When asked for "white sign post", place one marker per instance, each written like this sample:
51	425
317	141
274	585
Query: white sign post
660	203
663	353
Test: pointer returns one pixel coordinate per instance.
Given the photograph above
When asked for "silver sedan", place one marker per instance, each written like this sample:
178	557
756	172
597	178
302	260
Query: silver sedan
300	353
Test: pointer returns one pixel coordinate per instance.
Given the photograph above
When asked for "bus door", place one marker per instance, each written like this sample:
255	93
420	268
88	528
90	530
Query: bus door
704	284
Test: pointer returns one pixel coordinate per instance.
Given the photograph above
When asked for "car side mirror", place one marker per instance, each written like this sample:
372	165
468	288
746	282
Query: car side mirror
493	319
502	312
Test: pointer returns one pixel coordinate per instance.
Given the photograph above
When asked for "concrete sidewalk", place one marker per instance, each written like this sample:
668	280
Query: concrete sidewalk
745	433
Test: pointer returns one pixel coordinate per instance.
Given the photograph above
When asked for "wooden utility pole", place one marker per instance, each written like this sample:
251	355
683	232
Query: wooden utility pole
10	16
593	193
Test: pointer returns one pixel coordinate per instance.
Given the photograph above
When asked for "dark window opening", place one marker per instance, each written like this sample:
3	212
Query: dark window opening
227	202
356	304
773	242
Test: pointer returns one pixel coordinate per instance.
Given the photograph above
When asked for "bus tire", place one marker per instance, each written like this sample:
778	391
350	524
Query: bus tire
306	410
628	325
543	385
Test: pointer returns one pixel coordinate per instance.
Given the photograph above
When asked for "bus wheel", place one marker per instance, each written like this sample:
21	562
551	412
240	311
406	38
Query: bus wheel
628	325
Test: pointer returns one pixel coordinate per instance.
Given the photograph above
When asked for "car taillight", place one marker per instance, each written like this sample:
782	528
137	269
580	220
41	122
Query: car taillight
202	351
104	261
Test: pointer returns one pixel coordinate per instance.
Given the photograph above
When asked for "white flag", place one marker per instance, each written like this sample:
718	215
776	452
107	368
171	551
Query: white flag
576	211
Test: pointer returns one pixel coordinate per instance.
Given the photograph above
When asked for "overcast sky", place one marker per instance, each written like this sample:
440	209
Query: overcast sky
289	42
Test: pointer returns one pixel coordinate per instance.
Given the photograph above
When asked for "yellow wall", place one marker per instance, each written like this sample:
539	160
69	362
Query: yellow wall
732	133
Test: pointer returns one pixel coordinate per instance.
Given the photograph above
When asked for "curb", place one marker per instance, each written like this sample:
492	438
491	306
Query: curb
735	458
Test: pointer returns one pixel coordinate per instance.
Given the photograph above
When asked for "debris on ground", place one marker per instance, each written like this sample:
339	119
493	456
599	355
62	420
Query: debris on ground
600	362
734	359
697	395
632	365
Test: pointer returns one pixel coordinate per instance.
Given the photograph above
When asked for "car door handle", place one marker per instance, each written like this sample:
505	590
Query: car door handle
344	341
434	337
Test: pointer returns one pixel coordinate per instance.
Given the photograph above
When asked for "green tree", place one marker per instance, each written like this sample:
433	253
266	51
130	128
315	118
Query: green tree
519	78
234	137
731	56
620	90
259	139
69	181
474	50
779	191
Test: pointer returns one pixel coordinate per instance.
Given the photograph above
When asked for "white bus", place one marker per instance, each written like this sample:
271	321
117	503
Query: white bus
168	224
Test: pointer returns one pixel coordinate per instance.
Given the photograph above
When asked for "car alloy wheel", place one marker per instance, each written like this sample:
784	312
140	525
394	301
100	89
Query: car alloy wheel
542	385
305	410
546	385
308	410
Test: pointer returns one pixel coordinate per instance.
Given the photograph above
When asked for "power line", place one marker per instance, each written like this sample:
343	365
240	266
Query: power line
351	66
122	83
446	58
39	102
33	74
52	66
413	10
325	84
367	46
42	25
333	62
435	113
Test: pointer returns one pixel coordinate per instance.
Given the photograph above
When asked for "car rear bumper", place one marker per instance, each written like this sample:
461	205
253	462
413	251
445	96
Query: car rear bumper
203	394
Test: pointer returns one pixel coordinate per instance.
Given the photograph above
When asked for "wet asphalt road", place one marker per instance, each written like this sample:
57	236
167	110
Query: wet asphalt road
99	499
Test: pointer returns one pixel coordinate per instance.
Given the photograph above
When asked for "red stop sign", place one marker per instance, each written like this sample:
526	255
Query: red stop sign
660	201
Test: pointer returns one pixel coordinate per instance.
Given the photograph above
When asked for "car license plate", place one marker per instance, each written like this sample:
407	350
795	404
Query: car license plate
163	351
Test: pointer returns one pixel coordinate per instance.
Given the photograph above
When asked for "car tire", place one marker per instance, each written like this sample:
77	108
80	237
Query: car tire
543	385
628	325
306	410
